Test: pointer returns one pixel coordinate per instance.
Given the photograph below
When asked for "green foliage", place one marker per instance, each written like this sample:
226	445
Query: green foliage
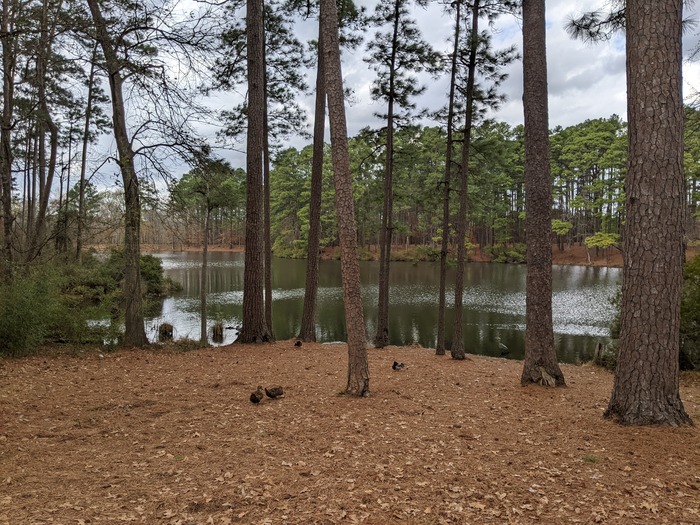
502	253
25	310
155	285
602	240
561	227
690	311
416	254
64	303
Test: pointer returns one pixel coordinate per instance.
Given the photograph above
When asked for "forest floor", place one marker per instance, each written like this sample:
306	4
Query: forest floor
163	436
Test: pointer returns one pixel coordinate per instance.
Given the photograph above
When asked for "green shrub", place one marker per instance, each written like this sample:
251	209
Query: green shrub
25	311
502	253
64	303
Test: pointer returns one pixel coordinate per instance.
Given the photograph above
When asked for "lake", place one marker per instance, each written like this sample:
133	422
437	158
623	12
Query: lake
494	302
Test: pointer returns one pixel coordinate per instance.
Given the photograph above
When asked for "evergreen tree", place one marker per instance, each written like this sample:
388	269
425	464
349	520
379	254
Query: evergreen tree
396	55
358	366
646	389
540	364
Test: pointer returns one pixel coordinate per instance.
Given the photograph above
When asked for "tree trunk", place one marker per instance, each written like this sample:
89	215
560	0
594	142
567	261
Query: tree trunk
254	328
8	88
444	246
83	157
266	197
203	280
308	319
381	339
457	351
358	367
135	333
540	363
45	122
645	389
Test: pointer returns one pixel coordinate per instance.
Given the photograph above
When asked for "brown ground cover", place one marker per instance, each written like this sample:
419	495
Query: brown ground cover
168	437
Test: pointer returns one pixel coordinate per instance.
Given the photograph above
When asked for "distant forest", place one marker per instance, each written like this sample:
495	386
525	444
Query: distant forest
588	169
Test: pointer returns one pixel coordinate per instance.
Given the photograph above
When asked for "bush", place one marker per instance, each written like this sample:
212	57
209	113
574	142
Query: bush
502	253
25	310
64	303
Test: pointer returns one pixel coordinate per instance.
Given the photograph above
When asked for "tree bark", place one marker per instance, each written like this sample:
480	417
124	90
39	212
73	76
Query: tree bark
540	364
135	332
254	329
266	197
358	367
645	389
8	88
457	351
44	123
203	280
308	319
381	339
83	157
445	242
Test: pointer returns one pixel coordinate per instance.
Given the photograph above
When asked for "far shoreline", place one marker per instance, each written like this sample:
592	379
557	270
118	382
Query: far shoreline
573	255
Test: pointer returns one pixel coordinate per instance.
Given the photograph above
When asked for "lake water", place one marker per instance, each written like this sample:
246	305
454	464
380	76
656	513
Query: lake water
494	302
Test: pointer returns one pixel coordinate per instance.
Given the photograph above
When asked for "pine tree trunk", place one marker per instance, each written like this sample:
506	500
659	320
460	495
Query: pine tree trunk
457	351
358	367
540	363
444	246
254	328
203	280
267	237
45	123
83	158
135	332
308	319
645	389
381	339
8	62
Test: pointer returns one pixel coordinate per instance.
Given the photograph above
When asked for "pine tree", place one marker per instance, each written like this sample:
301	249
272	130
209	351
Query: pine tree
396	55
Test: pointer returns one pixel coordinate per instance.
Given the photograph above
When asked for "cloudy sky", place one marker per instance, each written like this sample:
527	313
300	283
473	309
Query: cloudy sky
585	80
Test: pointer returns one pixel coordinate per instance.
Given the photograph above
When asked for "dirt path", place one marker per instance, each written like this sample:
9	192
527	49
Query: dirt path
162	437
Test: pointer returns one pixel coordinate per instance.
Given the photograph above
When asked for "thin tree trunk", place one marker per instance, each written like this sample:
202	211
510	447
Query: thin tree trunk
266	191
47	172
358	366
540	364
457	351
645	389
308	319
444	246
203	281
8	62
381	339
254	328
135	333
83	157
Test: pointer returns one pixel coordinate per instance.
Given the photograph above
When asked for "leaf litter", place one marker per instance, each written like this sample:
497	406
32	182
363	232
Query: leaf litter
166	437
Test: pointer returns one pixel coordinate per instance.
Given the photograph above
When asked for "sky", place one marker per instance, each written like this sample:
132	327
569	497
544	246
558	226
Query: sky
585	80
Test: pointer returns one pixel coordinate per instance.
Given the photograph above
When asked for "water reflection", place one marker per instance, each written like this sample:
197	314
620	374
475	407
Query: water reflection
494	302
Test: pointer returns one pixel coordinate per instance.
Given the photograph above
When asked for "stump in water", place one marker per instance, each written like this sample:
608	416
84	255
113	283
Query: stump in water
217	333
165	332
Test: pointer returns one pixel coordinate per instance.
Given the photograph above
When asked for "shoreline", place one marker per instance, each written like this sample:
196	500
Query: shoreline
573	255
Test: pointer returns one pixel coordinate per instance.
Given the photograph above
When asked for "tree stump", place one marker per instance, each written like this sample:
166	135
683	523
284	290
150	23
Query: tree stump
217	333
165	332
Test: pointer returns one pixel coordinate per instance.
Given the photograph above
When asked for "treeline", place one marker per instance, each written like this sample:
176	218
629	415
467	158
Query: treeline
588	162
